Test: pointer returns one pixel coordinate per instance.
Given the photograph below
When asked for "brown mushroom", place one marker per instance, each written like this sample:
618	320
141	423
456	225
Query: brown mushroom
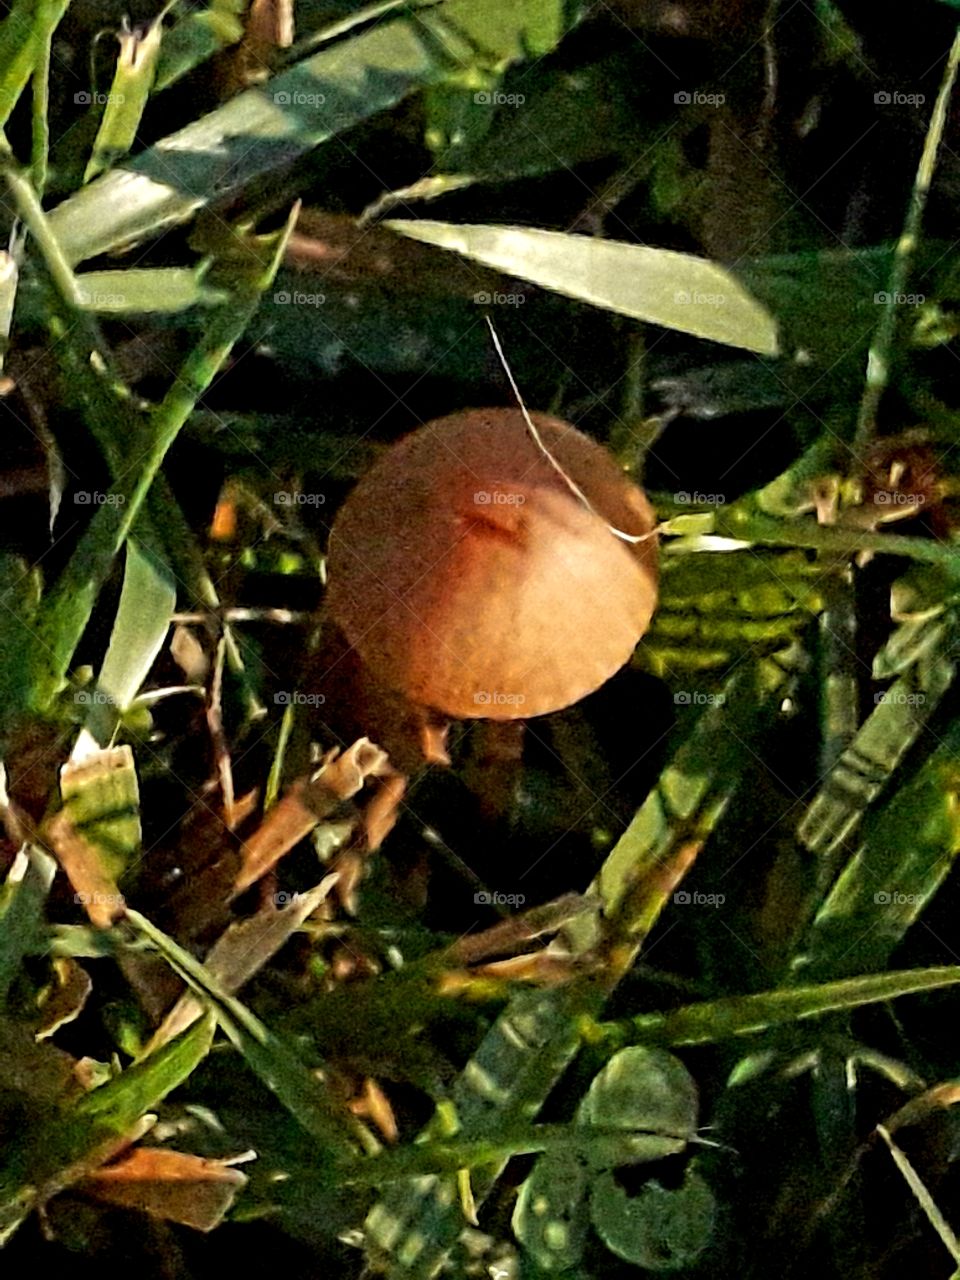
473	580
469	577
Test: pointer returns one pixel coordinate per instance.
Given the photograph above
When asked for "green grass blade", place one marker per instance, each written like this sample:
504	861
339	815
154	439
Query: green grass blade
44	1159
659	286
265	128
304	1096
881	354
127	99
717	1020
66	609
146	291
22	899
24	36
909	846
147	601
866	766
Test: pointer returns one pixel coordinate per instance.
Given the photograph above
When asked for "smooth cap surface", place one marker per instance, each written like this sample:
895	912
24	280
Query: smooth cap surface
471	579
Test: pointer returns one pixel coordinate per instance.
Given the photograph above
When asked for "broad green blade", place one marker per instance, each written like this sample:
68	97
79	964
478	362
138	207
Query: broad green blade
146	291
908	850
715	607
865	767
267	127
659	286
147	601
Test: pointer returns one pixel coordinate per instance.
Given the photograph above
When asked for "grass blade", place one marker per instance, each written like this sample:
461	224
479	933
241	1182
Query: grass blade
267	127
127	99
305	1097
658	286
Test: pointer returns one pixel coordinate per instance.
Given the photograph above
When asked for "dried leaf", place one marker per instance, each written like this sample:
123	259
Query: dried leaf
306	804
187	1189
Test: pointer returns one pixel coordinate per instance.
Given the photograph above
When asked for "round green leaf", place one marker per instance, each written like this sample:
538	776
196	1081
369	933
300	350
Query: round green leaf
658	1229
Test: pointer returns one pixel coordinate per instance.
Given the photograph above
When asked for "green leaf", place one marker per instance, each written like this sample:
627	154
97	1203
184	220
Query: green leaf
649	1093
908	850
658	1229
866	766
265	128
503	31
714	606
127	99
147	602
197	36
23	36
44	1159
460	112
716	1020
101	805
22	900
305	1097
550	1217
658	286
146	291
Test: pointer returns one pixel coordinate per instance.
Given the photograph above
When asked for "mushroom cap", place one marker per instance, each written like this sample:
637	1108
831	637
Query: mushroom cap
471	579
